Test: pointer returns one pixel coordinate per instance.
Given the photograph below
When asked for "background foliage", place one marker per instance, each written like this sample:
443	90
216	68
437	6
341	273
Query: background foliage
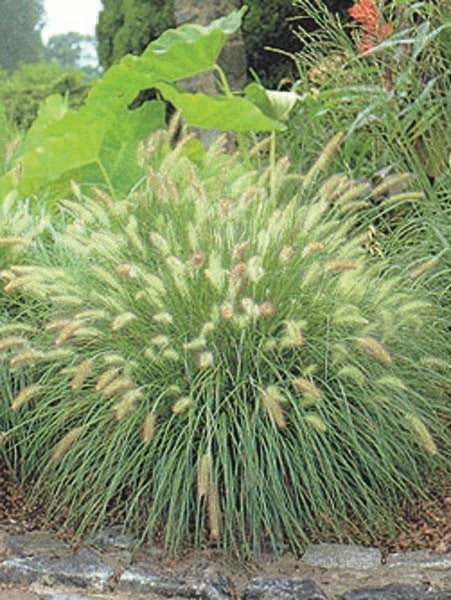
30	84
20	32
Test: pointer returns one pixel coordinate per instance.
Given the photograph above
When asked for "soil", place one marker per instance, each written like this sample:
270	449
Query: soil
428	522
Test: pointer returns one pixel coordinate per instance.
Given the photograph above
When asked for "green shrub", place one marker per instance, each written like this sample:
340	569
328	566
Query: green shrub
210	366
22	92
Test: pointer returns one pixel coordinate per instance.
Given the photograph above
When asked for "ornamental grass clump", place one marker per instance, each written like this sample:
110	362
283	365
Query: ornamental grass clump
209	365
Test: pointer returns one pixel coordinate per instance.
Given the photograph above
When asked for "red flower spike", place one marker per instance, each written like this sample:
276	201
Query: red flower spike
368	15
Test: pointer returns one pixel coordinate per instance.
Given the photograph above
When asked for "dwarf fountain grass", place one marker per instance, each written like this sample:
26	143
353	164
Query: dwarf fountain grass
238	371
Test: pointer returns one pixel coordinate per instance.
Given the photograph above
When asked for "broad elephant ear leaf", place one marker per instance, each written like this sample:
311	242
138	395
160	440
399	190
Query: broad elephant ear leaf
63	142
219	112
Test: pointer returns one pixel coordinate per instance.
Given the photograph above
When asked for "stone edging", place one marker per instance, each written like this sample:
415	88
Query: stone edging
105	567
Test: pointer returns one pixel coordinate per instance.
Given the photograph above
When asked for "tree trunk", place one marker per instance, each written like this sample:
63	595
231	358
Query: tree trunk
232	58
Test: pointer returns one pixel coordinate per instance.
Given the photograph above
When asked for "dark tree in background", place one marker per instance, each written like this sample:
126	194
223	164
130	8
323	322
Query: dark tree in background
128	26
21	22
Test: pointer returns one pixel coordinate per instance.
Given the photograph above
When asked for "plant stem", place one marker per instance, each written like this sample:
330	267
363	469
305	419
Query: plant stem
107	179
272	166
239	137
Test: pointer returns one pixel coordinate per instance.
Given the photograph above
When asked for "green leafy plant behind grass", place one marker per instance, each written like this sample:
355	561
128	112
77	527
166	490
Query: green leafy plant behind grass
210	366
97	143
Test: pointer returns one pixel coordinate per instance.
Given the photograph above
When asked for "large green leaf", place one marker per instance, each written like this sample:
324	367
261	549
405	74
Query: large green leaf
95	141
176	54
218	112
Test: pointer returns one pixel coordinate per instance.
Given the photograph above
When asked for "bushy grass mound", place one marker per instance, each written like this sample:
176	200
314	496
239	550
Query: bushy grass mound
210	366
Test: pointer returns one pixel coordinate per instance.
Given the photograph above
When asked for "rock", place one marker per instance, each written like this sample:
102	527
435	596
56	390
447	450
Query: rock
112	537
37	543
23	571
83	569
71	597
271	588
139	580
397	591
342	556
420	559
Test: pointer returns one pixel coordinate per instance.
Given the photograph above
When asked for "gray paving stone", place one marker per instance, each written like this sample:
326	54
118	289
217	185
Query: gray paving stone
112	537
273	588
73	597
421	559
139	580
36	543
397	591
82	569
23	571
341	556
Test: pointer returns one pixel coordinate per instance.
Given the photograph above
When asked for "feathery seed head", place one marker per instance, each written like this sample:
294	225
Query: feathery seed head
126	270
293	337
181	405
106	378
286	254
376	349
127	403
311	393
272	399
267	309
207	328
250	308
12	241
65	443
205	360
160	243
160	340
148	428
25	395
316	422
81	374
197	260
425	438
18	282
163	318
12	341
67	331
312	248
203	475
224	207
353	373
226	311
25	358
240	249
237	273
122	320
424	267
120	384
56	324
170	354
255	269
214	511
342	264
198	343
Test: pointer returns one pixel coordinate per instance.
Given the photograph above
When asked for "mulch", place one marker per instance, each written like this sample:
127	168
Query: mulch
428	522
